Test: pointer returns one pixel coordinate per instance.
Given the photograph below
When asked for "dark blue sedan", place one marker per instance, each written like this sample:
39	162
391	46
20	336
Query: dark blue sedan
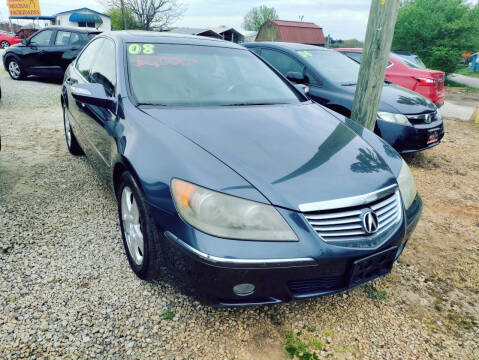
406	120
223	173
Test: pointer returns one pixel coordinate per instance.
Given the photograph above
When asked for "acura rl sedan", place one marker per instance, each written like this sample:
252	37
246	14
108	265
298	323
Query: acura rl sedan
406	120
223	173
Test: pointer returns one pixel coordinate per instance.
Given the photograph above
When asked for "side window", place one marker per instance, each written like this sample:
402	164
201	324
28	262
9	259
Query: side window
104	68
42	38
63	38
86	58
282	62
75	39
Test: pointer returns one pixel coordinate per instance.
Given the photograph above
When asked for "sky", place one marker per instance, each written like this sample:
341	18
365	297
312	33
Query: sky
342	19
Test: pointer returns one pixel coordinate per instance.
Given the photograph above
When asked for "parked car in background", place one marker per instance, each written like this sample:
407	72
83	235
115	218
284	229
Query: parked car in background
227	174
48	52
408	74
406	120
411	57
7	39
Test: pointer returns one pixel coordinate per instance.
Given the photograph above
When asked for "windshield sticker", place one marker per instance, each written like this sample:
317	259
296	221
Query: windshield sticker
136	49
305	54
157	61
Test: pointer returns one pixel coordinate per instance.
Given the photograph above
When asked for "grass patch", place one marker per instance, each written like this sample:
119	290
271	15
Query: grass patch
168	315
302	347
373	293
467	72
452	85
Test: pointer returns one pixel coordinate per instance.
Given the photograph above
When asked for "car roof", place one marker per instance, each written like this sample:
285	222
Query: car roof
72	28
170	38
285	45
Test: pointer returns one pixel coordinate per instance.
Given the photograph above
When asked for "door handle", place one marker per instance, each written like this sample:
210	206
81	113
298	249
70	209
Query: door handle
42	52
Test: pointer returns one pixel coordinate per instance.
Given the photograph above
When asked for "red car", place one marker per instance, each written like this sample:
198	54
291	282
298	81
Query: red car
403	72
7	40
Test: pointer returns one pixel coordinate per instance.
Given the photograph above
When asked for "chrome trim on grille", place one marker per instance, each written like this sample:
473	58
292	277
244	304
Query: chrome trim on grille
349	201
342	225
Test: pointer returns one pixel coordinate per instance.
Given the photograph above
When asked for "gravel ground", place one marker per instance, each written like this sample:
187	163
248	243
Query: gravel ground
66	289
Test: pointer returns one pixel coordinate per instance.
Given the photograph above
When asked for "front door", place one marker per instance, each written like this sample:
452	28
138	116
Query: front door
37	59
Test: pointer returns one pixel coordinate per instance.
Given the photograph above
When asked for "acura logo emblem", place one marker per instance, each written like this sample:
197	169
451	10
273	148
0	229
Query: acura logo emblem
370	222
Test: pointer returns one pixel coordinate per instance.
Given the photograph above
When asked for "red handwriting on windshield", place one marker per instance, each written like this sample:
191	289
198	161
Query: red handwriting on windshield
157	61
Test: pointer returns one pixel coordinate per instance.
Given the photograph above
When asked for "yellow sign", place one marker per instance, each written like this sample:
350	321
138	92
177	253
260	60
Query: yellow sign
24	7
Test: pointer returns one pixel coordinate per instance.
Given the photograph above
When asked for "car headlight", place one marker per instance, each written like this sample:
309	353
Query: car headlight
407	186
228	216
394	118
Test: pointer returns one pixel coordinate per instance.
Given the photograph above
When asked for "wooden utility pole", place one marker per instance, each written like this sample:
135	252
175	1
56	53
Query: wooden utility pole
379	36
122	2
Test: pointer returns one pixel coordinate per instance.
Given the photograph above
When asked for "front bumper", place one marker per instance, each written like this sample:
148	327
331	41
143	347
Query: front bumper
212	278
407	139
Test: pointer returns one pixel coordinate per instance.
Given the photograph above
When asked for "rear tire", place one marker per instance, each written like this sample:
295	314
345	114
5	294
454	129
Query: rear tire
15	70
72	144
140	235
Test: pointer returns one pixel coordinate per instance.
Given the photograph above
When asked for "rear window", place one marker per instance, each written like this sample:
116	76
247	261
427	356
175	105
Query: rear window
92	35
189	75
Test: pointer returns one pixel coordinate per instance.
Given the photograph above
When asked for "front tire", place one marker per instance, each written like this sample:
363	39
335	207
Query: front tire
4	44
72	143
15	70
139	233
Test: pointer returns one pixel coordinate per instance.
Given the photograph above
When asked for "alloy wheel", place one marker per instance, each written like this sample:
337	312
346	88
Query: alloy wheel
4	44
14	69
68	130
130	216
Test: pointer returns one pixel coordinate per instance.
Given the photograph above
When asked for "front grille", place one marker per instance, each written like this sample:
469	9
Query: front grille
346	224
423	118
326	284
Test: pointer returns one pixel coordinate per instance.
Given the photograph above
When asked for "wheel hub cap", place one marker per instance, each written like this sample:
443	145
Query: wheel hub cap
14	69
68	130
131	225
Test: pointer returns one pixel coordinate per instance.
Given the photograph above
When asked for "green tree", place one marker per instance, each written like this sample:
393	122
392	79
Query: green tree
438	31
117	19
258	15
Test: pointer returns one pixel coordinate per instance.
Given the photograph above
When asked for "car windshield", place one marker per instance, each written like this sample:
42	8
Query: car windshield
190	75
333	66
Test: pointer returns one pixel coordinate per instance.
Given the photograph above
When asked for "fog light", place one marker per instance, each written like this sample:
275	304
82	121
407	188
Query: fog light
243	289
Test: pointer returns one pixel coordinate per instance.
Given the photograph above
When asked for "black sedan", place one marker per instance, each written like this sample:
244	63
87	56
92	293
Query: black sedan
223	173
48	52
406	120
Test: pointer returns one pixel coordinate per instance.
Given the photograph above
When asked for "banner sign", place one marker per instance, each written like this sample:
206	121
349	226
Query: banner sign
24	7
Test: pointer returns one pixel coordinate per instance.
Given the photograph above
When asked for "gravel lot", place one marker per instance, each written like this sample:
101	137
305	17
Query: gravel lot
66	289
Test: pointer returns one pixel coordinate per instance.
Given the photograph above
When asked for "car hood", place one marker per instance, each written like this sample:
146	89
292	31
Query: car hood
397	99
293	154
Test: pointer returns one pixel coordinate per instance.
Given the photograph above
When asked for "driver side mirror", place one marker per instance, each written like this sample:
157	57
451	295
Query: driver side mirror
93	94
296	77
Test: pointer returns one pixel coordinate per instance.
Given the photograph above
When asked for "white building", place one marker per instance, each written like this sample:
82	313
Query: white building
84	17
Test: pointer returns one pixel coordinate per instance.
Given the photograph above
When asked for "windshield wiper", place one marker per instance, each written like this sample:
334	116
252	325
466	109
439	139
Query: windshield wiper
348	83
